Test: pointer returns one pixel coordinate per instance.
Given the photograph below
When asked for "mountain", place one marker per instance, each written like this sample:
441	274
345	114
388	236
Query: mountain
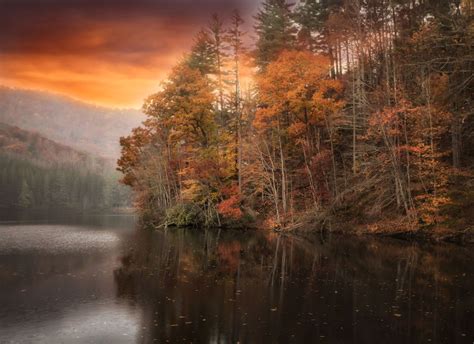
76	124
45	152
36	172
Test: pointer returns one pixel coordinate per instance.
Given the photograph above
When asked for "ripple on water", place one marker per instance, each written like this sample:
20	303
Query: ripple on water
54	238
109	323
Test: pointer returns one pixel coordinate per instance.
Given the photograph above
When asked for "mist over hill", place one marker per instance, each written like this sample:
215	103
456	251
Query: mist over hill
82	126
36	172
41	151
57	152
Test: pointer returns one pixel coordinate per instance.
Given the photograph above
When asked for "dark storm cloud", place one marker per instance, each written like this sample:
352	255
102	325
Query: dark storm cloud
32	25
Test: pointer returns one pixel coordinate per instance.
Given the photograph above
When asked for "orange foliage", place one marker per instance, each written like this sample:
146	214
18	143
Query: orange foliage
230	207
229	255
298	84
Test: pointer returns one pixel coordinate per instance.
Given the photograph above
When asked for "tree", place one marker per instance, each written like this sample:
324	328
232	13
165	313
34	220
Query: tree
310	16
25	198
235	40
275	31
216	29
174	157
297	101
203	54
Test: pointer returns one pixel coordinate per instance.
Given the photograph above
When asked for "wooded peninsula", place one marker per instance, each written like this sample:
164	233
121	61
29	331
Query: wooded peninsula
341	114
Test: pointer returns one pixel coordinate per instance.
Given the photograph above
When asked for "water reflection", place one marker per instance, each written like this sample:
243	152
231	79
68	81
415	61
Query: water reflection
56	280
98	279
247	287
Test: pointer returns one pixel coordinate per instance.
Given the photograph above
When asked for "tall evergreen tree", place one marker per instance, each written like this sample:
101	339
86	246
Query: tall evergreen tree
310	16
216	29
203	54
275	31
25	199
235	40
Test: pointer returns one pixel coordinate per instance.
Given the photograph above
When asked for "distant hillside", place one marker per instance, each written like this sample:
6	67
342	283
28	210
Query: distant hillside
79	125
36	172
44	152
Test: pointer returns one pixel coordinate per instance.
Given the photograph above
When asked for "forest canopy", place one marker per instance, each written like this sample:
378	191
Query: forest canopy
359	112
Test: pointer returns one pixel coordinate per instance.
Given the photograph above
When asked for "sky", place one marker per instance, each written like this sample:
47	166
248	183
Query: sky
108	52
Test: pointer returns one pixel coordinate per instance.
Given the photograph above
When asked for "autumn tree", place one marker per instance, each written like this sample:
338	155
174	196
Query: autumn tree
296	120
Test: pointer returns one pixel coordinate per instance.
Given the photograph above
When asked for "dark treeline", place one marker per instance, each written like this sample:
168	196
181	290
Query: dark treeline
36	172
360	111
25	184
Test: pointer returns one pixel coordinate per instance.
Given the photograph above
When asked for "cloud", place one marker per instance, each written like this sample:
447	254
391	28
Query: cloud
113	52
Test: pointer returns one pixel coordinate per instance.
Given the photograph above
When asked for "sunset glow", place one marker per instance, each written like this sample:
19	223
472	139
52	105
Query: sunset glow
114	53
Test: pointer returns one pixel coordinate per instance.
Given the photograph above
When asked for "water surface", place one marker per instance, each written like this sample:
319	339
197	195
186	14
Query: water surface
101	279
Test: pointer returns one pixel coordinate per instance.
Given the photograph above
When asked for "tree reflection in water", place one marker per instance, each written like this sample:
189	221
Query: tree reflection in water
257	287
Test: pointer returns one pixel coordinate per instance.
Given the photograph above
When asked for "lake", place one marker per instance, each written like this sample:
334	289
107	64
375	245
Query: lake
102	279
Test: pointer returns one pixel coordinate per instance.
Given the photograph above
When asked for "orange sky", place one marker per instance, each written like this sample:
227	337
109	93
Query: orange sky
108	52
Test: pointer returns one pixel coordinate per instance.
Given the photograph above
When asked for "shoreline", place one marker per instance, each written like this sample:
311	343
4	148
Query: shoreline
450	236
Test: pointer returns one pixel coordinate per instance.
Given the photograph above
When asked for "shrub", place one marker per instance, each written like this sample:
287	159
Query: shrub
185	215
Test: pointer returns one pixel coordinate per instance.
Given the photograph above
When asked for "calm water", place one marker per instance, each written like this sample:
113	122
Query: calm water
99	279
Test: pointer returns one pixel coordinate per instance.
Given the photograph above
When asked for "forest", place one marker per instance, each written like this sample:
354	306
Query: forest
341	114
26	185
38	173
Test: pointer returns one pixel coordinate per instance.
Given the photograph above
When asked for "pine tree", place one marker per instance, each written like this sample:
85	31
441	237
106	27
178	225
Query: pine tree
216	29
234	39
310	15
203	54
25	199
275	31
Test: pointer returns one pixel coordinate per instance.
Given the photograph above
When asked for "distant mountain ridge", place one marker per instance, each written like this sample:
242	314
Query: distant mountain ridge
45	152
79	125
